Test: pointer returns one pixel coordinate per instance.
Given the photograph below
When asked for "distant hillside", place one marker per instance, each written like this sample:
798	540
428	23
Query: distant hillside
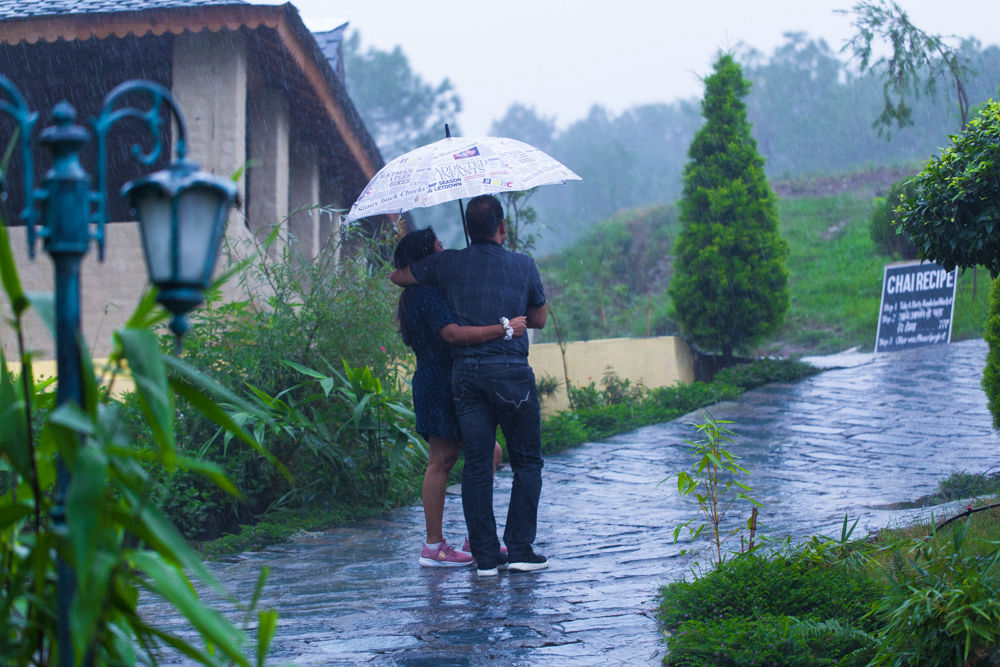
864	183
612	282
811	114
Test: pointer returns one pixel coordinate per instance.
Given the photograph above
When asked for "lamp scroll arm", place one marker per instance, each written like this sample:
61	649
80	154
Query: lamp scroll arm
153	119
13	104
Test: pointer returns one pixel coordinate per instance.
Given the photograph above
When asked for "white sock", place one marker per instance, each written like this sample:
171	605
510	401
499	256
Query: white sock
433	546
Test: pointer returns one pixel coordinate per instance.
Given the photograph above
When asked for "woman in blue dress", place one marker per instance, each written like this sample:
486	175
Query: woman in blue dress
428	326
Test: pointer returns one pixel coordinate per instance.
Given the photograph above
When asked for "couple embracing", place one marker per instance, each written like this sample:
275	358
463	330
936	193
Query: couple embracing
464	312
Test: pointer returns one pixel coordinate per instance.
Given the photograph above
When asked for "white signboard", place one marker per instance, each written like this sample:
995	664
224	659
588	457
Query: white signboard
917	305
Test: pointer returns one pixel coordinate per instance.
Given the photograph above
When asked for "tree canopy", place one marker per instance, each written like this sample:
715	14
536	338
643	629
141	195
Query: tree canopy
400	109
730	284
912	68
953	213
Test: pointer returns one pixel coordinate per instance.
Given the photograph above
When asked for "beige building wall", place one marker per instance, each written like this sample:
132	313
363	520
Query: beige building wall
655	362
267	177
110	290
303	196
330	218
210	85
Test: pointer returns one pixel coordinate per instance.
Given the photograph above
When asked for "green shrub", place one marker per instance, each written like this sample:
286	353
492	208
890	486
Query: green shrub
335	427
602	421
681	399
769	610
943	602
991	372
620	406
582	398
764	371
754	584
614	391
562	430
730	282
765	640
959	485
547	386
882	222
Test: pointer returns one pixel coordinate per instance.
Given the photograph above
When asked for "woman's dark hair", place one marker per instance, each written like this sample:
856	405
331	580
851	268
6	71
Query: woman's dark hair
412	247
415	245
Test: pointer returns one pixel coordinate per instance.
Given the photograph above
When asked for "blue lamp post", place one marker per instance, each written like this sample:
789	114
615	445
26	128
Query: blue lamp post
182	214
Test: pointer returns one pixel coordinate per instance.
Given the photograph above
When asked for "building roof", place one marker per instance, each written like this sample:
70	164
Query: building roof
329	43
20	9
33	21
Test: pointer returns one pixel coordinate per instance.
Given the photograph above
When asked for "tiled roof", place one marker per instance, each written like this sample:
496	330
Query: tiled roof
22	9
49	21
329	43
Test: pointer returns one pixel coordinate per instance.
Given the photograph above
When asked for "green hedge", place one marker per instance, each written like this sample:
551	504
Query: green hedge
619	406
751	609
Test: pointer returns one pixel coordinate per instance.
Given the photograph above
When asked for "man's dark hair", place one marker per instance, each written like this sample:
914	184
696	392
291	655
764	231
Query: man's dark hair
483	215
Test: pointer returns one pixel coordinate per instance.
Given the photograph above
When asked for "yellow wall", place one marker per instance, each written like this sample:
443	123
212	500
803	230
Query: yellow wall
655	362
46	368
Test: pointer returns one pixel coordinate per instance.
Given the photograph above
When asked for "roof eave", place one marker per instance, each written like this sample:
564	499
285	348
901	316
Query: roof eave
283	19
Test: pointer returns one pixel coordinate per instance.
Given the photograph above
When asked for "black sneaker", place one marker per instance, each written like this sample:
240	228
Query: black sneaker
493	571
527	562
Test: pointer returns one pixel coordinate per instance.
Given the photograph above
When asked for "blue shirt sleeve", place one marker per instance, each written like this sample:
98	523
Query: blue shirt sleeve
426	270
536	293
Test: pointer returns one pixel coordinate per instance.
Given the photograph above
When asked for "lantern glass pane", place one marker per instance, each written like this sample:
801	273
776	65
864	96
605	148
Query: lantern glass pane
198	212
153	210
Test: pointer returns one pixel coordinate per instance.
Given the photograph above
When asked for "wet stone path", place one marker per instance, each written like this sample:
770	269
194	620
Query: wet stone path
851	440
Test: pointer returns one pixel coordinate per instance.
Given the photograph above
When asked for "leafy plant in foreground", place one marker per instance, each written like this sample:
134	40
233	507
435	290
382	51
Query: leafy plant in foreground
943	603
711	480
115	543
784	608
319	314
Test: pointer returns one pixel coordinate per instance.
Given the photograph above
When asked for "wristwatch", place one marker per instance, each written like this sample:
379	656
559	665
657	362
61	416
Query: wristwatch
508	331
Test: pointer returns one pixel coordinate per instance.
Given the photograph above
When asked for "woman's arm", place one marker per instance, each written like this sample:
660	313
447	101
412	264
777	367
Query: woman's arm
402	277
456	334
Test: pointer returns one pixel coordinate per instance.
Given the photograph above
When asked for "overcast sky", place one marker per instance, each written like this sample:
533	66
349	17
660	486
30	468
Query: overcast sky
563	56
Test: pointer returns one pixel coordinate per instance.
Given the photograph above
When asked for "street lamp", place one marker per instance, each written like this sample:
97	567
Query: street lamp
182	214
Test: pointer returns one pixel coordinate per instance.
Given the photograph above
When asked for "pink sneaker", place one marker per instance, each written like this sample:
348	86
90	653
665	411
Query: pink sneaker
467	549
444	556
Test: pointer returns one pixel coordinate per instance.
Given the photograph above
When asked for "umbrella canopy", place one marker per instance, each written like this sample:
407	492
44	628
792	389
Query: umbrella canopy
456	168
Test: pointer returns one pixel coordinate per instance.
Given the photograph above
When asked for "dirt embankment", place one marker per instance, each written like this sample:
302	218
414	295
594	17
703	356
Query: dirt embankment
871	183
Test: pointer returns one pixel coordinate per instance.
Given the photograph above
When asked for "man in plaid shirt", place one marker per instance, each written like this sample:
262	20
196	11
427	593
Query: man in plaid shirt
492	382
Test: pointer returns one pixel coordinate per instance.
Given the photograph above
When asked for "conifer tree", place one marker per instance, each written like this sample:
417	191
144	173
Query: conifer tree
730	283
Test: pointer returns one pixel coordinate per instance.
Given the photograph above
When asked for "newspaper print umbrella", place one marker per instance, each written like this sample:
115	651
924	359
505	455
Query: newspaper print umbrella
456	168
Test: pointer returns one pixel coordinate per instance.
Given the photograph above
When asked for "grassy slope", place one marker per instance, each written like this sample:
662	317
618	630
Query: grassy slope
836	280
612	282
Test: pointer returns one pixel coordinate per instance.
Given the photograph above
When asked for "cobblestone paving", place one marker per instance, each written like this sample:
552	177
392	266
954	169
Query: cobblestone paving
847	441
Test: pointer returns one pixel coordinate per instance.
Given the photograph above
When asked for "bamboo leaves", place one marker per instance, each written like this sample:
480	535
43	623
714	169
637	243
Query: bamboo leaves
713	482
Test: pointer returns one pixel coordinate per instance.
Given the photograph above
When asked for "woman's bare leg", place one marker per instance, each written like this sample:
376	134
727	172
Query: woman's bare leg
497	456
440	459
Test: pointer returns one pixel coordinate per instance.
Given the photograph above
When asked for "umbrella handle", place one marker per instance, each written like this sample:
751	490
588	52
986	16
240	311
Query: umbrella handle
461	210
464	230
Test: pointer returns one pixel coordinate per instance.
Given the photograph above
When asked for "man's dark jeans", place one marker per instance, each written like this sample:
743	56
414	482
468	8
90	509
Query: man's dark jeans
489	391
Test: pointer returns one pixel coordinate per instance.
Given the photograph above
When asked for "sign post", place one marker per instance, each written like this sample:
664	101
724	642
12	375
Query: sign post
917	305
